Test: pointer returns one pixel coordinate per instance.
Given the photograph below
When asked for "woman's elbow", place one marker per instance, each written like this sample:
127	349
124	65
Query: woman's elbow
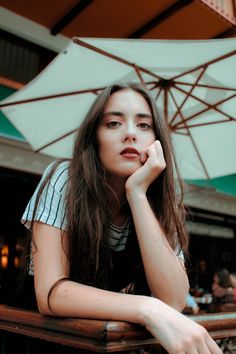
176	298
43	308
42	303
180	299
180	304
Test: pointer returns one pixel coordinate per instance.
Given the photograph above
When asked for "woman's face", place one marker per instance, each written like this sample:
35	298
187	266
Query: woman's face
126	129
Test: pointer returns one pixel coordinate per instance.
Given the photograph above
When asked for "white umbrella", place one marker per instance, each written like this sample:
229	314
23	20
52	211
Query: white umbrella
193	82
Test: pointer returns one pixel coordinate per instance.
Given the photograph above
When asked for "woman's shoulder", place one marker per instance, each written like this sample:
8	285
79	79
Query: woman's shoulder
58	173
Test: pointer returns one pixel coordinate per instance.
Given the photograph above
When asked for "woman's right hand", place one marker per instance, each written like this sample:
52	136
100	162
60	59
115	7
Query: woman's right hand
177	333
153	162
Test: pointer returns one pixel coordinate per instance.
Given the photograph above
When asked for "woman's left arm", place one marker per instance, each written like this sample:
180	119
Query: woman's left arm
165	272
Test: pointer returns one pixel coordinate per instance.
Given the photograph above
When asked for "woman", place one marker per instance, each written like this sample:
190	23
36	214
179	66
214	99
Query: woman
222	289
107	222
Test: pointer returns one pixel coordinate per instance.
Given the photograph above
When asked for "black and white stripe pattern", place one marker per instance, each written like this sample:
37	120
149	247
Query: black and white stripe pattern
118	236
51	206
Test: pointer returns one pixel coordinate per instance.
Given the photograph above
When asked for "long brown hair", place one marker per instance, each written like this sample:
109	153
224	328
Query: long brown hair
88	191
88	194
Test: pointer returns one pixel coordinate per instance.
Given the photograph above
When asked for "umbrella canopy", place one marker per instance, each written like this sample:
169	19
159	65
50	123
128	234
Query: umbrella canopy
193	83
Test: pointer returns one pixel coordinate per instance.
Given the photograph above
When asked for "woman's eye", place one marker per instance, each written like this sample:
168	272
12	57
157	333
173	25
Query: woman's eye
113	124
144	125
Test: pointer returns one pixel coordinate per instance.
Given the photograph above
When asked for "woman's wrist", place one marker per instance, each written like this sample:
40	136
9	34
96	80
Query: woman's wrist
150	307
135	194
146	309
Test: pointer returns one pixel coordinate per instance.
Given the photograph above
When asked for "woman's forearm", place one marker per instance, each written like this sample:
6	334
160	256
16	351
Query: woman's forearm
165	273
71	299
175	332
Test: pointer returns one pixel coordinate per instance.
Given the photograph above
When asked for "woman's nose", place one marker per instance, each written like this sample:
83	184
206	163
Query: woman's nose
130	134
130	137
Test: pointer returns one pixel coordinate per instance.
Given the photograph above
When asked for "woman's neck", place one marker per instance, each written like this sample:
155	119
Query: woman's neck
118	185
118	203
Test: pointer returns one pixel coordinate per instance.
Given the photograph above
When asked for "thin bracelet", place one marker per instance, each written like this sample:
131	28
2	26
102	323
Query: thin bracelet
58	282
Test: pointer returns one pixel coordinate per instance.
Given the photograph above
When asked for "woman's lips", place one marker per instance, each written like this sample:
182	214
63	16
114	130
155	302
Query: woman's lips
130	152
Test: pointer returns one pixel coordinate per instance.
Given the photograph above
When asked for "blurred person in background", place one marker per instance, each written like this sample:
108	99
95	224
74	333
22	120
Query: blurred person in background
227	292
222	289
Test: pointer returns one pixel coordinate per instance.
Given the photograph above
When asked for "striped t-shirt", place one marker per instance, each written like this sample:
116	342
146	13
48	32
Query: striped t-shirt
51	208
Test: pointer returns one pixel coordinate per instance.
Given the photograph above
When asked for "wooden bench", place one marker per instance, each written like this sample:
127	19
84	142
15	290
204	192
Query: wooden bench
97	335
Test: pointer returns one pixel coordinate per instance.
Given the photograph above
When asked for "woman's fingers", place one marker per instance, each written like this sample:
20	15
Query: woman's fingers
177	333
153	163
204	345
143	157
207	346
155	157
213	347
203	349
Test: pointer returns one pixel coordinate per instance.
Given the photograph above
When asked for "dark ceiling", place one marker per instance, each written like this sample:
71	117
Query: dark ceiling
169	19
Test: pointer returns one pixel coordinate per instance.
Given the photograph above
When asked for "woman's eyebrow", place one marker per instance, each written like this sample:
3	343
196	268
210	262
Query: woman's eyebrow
120	114
144	115
112	113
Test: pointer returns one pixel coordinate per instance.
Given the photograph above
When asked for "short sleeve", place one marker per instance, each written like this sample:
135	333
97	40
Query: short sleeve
51	205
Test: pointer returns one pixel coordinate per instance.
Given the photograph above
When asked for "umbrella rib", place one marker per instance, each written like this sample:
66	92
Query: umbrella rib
180	133
205	65
158	93
202	124
153	88
206	86
139	74
176	105
178	125
153	83
195	147
187	96
114	57
203	102
42	98
189	118
56	140
209	106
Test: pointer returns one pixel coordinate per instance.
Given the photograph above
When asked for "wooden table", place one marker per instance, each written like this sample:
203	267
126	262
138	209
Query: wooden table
97	335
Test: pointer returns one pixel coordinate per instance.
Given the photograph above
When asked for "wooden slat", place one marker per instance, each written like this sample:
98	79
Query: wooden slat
10	83
66	339
216	321
85	328
98	335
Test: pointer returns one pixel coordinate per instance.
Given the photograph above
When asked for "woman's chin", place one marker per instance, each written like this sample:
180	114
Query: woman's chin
126	173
